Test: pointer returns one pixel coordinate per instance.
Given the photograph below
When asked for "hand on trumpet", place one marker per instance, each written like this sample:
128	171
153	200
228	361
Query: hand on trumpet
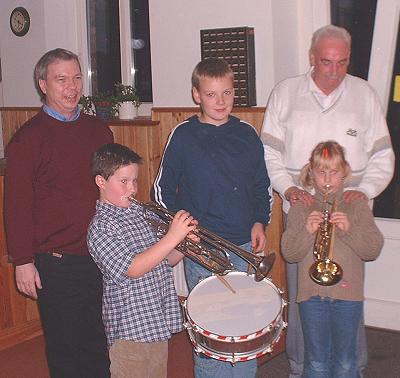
182	226
337	218
340	220
314	219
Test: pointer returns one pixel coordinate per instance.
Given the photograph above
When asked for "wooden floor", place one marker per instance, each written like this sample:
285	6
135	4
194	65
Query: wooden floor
180	356
27	360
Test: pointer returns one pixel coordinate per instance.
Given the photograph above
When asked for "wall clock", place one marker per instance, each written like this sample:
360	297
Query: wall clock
20	21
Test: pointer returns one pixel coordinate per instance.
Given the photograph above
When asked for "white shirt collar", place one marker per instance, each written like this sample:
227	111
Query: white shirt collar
325	101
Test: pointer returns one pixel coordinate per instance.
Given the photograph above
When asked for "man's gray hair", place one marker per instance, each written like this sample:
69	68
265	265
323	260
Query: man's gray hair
40	71
330	31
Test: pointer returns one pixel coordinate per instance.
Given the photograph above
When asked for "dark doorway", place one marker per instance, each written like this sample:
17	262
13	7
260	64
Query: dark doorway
387	204
358	18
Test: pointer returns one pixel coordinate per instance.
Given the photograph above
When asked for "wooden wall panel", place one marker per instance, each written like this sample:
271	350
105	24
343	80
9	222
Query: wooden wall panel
13	119
19	316
140	139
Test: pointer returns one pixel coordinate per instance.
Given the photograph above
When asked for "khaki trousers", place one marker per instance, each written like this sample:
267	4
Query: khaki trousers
131	359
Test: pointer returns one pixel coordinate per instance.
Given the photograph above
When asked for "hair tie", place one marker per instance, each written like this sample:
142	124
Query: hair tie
325	153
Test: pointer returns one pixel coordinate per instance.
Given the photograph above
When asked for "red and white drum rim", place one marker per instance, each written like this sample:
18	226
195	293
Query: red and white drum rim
252	344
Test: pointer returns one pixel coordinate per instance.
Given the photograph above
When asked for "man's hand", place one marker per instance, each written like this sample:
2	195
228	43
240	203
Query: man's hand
258	239
294	194
351	195
27	279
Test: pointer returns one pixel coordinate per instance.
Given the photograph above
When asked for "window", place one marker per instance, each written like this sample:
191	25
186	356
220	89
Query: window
119	45
387	204
358	17
139	10
104	44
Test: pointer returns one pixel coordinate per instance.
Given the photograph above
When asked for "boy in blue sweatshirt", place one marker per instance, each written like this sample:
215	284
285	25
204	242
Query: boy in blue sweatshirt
213	166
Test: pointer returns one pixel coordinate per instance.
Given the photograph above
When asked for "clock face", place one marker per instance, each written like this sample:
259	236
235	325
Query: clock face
19	21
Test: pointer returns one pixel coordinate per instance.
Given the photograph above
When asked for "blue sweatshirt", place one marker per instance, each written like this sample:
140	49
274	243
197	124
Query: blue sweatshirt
218	174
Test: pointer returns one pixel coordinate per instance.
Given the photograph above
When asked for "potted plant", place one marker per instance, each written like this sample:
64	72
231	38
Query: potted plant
103	105
128	100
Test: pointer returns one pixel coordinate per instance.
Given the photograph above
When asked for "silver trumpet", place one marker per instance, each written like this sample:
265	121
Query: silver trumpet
212	251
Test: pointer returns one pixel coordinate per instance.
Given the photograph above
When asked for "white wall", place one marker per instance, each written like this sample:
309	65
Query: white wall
382	298
280	34
382	302
175	42
53	24
19	54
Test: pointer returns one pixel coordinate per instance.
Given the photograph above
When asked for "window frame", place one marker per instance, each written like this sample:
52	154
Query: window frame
127	58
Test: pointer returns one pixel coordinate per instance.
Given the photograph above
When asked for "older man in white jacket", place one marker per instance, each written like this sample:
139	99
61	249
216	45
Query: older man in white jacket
325	103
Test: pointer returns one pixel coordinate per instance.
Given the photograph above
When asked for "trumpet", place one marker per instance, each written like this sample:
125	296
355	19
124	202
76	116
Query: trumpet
212	251
324	271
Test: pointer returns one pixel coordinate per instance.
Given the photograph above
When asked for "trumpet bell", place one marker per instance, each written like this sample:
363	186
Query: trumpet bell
326	272
264	266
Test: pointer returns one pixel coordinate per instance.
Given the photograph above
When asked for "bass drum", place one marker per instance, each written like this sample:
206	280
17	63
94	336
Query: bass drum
234	327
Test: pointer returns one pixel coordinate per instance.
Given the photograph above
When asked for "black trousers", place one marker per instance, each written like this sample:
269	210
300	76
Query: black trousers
70	310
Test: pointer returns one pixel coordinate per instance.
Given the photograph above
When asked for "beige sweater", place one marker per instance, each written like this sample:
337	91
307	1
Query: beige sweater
363	242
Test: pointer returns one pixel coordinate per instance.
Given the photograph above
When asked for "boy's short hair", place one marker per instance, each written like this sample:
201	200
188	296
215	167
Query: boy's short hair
210	67
108	158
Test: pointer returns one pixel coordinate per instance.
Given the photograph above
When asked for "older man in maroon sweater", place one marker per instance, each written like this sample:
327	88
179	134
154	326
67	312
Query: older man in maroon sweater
49	201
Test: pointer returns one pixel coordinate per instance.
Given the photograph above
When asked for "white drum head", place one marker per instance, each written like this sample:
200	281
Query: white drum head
213	307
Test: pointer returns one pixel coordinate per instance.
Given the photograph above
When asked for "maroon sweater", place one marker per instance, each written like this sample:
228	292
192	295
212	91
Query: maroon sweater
50	196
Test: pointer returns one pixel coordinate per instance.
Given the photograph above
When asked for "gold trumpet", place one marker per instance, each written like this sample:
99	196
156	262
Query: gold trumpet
324	271
212	251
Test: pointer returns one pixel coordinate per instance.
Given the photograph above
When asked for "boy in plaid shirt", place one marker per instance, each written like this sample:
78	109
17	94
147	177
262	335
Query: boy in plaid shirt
140	305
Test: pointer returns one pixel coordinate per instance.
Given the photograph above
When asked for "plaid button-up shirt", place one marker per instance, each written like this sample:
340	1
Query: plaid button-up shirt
144	309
